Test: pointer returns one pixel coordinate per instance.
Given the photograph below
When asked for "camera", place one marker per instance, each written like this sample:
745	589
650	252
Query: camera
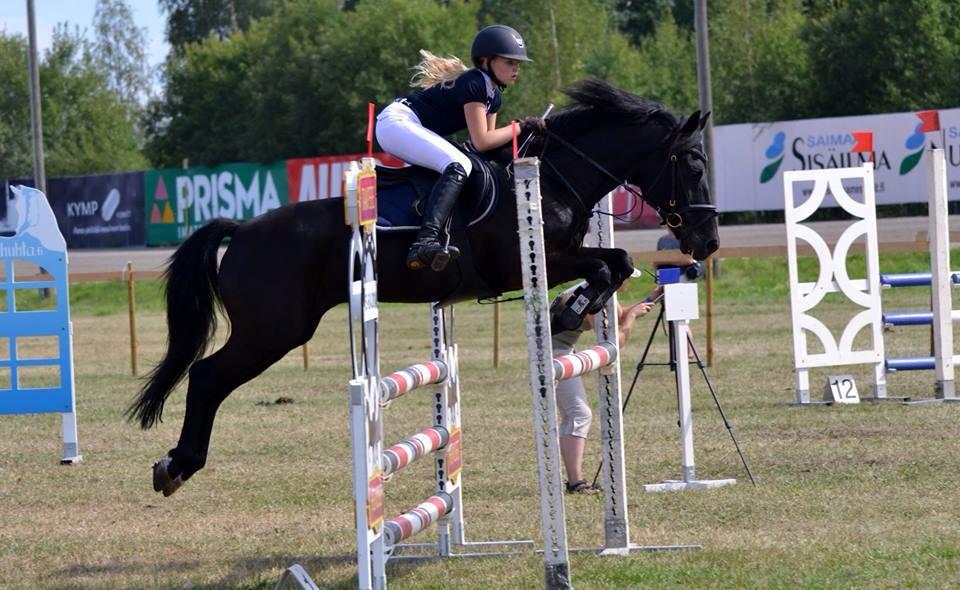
680	274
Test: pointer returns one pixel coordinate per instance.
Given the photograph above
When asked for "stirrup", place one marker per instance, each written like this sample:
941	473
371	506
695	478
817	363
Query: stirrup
431	254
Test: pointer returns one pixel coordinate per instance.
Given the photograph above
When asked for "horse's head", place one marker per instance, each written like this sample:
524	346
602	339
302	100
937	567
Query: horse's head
679	188
608	135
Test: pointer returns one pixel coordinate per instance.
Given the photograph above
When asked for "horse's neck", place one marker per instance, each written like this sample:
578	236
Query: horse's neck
607	167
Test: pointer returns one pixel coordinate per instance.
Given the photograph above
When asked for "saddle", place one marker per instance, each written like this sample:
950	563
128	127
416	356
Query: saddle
401	193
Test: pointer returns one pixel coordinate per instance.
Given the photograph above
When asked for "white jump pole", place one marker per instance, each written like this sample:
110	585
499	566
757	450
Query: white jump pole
542	386
366	424
680	306
941	285
616	524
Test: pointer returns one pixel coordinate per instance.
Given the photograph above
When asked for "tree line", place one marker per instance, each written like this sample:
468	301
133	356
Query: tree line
260	80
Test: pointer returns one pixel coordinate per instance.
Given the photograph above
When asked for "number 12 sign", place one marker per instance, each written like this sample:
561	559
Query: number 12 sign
841	389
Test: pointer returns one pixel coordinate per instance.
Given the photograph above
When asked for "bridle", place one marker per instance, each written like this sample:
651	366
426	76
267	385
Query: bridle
671	215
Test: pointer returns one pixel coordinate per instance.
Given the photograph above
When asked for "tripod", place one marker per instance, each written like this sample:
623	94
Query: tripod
682	380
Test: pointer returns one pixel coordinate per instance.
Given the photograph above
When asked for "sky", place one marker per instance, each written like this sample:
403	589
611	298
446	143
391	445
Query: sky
146	14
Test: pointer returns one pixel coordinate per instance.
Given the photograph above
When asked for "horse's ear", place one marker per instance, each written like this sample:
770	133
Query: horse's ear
703	120
691	123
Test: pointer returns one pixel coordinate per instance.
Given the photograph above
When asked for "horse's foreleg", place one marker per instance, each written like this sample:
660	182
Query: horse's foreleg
617	260
620	265
565	267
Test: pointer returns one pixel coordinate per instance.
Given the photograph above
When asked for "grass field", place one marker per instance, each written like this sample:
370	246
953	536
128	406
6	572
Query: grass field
848	497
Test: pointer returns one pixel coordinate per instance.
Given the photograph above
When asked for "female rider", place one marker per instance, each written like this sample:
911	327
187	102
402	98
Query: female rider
452	98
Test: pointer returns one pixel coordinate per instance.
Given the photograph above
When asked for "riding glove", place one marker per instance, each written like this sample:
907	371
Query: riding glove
533	125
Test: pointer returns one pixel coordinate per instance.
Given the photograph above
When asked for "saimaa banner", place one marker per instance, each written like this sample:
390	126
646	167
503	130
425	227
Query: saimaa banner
751	158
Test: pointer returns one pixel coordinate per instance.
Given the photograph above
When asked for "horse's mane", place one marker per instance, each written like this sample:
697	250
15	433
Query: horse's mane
593	97
597	103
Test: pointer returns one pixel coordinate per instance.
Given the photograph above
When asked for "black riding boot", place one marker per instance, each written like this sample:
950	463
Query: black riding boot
427	250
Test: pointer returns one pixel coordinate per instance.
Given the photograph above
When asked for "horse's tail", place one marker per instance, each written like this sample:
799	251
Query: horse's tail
192	294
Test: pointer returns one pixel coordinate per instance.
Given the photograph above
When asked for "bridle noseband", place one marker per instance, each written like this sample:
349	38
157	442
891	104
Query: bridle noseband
671	215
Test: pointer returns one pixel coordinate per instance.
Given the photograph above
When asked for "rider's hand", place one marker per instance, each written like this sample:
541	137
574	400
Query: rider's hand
533	125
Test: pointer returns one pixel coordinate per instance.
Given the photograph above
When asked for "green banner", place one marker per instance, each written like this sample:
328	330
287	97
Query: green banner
181	200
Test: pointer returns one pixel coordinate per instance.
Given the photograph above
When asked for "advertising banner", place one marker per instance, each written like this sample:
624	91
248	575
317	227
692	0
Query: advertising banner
180	200
751	158
310	179
97	211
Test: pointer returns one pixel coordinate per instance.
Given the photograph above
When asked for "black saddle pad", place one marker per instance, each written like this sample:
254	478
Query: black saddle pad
400	190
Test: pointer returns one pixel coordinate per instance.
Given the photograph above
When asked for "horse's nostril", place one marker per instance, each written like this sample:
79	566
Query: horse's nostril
712	246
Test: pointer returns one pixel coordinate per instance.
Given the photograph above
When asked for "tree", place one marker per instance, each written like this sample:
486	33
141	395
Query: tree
295	82
192	21
638	19
121	49
883	56
15	145
663	67
298	81
760	62
86	128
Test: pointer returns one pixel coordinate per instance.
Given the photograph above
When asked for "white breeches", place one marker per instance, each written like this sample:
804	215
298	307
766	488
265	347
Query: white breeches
400	133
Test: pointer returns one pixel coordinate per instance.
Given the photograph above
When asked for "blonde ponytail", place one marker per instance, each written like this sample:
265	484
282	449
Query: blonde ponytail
433	70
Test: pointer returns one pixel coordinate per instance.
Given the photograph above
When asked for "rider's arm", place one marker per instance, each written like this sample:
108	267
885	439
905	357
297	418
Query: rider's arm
483	133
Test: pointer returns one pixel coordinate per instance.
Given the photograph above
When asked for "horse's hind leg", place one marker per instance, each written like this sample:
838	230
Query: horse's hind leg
211	380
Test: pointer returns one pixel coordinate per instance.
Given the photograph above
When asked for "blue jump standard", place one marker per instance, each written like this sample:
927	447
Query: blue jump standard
913	279
908	318
916	363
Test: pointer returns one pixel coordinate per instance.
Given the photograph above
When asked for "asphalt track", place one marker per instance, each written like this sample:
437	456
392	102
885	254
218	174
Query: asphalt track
638	242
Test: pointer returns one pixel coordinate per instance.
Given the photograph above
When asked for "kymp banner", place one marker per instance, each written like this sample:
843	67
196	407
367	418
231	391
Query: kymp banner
96	211
100	211
751	158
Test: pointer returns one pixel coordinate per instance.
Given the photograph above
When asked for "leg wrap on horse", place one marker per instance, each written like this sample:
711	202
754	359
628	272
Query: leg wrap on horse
427	249
585	300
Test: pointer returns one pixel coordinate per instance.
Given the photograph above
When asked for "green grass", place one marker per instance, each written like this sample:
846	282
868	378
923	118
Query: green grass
96	298
848	497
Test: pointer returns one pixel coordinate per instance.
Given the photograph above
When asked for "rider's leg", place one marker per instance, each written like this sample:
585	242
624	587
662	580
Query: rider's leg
400	133
427	250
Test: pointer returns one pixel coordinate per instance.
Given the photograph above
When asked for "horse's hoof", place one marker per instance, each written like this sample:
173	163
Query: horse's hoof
162	482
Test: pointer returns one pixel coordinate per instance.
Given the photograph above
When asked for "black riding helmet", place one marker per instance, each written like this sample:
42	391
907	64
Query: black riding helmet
498	40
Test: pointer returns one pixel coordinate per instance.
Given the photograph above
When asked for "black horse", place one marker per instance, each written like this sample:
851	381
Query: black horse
285	269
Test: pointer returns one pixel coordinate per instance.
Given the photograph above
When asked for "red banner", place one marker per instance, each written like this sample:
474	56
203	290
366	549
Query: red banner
309	179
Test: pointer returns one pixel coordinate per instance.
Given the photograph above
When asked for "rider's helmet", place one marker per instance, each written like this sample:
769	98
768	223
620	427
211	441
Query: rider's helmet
498	40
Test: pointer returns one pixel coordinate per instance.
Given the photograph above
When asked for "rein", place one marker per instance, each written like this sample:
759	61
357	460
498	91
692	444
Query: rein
672	217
